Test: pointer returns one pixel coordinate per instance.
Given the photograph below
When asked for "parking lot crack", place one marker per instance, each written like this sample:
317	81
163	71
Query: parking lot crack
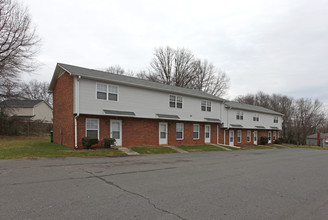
133	193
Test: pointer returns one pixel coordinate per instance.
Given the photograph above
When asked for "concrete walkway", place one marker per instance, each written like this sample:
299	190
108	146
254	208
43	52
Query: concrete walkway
220	146
177	149
128	151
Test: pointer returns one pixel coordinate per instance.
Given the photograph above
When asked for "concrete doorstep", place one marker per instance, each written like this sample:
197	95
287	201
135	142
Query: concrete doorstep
128	151
220	146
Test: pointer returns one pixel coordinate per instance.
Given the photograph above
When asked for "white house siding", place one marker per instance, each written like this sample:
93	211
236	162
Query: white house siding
265	120
145	103
20	111
43	112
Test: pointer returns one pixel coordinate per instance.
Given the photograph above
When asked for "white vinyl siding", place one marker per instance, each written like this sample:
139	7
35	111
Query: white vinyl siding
92	127
179	131
239	136
196	131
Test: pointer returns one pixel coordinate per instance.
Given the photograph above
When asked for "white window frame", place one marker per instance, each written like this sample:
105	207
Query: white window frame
207	105
256	117
249	135
240	115
193	131
176	130
107	92
239	136
86	128
275	119
176	97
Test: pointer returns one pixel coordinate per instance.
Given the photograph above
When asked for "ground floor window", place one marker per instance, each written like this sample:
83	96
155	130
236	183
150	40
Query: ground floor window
179	131
274	135
239	136
249	136
92	127
196	131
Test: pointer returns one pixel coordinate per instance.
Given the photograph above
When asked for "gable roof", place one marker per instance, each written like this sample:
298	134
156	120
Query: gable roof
127	80
254	108
314	136
14	103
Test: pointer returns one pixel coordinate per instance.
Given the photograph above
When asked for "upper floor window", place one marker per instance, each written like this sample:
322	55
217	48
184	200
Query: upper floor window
179	131
175	101
240	115
206	106
256	117
107	92
275	119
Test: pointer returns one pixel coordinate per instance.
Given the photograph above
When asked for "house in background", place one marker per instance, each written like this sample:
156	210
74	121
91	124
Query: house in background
94	103
28	109
318	139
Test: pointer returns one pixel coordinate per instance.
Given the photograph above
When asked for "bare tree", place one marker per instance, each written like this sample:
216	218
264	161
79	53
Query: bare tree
18	42
36	90
210	79
179	67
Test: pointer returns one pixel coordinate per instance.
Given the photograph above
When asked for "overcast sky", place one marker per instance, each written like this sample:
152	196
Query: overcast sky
278	46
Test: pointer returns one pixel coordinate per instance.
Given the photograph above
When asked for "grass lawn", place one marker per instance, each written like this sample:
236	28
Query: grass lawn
36	147
305	146
152	150
199	148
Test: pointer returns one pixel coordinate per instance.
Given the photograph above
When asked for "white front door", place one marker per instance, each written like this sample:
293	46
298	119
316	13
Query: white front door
255	137
162	133
269	137
207	133
116	131
231	138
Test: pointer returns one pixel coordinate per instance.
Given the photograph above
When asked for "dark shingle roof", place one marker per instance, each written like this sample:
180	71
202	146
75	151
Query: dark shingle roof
20	103
241	106
102	75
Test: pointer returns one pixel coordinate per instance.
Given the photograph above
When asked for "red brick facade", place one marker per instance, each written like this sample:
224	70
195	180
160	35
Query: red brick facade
139	131
63	118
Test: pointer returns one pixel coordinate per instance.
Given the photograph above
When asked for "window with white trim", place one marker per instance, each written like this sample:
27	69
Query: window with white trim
249	133
196	131
206	106
92	127
107	92
274	135
240	115
275	119
256	117
239	136
179	131
175	101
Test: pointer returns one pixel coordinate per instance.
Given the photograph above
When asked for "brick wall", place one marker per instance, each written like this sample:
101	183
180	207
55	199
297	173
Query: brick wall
138	131
63	110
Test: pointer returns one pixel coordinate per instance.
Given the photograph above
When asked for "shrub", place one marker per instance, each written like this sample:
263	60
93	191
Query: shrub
108	142
279	141
89	141
264	140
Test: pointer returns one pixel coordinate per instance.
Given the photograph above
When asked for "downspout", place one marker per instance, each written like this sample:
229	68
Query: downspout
77	110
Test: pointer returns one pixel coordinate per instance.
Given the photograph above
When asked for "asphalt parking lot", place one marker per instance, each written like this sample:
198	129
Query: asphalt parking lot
257	184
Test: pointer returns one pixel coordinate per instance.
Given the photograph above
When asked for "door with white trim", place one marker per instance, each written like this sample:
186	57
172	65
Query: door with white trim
162	133
269	137
207	133
231	137
255	137
116	131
